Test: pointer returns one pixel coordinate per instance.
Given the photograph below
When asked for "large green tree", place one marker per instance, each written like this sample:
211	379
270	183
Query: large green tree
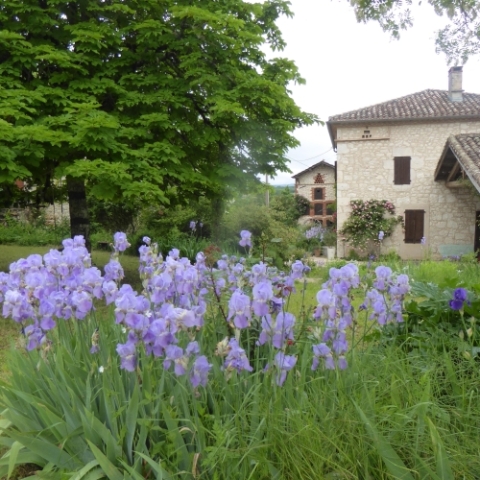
162	100
459	40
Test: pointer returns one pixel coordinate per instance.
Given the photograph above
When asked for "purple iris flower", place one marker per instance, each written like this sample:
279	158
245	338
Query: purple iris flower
381	234
246	239
284	364
236	358
199	372
128	357
262	294
193	225
297	269
239	309
279	330
83	303
113	271
383	277
35	336
175	354
120	242
459	298
322	350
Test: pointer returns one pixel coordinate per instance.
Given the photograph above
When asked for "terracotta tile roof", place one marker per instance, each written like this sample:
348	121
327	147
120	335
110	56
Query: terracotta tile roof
321	163
466	147
420	105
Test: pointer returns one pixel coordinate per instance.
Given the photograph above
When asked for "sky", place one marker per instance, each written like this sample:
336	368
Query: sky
349	65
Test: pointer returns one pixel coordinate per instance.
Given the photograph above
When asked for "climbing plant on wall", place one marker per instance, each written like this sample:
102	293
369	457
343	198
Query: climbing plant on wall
367	219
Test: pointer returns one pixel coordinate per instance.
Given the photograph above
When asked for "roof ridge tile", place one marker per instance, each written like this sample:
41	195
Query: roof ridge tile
429	103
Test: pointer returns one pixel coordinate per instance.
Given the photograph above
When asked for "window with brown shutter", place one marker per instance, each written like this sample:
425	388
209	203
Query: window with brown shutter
401	174
318	208
414	223
318	193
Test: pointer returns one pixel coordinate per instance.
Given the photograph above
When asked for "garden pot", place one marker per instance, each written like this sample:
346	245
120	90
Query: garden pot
328	252
317	251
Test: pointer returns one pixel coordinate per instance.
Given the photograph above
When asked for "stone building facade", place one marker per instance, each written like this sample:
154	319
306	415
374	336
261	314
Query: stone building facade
317	185
391	151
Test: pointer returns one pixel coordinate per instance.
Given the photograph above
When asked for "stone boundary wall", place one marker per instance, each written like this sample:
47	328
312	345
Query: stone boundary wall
56	213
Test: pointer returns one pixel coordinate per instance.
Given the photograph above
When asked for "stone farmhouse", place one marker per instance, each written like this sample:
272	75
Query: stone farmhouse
317	185
422	153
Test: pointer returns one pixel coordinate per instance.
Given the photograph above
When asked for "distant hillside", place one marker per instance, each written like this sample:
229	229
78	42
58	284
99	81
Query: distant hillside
280	188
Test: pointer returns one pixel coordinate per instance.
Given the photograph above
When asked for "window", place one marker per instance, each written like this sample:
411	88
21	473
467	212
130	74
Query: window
318	208
414	222
318	193
401	175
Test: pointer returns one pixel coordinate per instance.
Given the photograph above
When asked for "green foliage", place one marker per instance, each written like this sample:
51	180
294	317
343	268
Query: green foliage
112	217
273	237
158	101
367	219
430	323
287	207
14	232
174	221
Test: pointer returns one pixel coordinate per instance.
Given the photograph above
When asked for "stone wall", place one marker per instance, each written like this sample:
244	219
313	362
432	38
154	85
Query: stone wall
57	213
365	169
305	184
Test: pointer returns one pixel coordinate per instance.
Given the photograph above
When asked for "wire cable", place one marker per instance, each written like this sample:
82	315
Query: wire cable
311	158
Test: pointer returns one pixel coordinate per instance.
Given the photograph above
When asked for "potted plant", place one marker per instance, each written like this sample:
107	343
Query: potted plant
314	237
329	244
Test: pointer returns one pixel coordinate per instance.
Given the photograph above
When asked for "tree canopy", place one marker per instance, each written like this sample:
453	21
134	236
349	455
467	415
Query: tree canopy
154	99
459	40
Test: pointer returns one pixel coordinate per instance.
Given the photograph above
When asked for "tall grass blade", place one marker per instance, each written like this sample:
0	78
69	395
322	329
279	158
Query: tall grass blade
162	474
391	459
13	455
80	475
444	471
45	449
181	449
131	422
107	466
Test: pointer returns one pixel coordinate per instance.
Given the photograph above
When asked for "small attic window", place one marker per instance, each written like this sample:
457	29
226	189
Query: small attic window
366	133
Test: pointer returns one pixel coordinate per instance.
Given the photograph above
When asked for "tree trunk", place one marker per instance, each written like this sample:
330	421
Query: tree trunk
77	202
218	206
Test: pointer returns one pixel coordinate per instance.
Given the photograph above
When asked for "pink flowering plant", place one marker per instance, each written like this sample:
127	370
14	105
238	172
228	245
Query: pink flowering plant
111	384
367	219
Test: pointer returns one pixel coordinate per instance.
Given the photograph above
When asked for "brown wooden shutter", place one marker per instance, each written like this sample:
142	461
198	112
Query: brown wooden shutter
414	225
401	174
319	209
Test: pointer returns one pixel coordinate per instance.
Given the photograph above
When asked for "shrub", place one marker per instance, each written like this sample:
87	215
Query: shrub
24	233
367	220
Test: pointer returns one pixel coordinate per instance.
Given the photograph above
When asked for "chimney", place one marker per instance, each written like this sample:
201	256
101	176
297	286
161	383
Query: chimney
455	92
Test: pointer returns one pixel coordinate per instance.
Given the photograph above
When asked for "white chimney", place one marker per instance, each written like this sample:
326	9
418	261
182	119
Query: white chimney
455	92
